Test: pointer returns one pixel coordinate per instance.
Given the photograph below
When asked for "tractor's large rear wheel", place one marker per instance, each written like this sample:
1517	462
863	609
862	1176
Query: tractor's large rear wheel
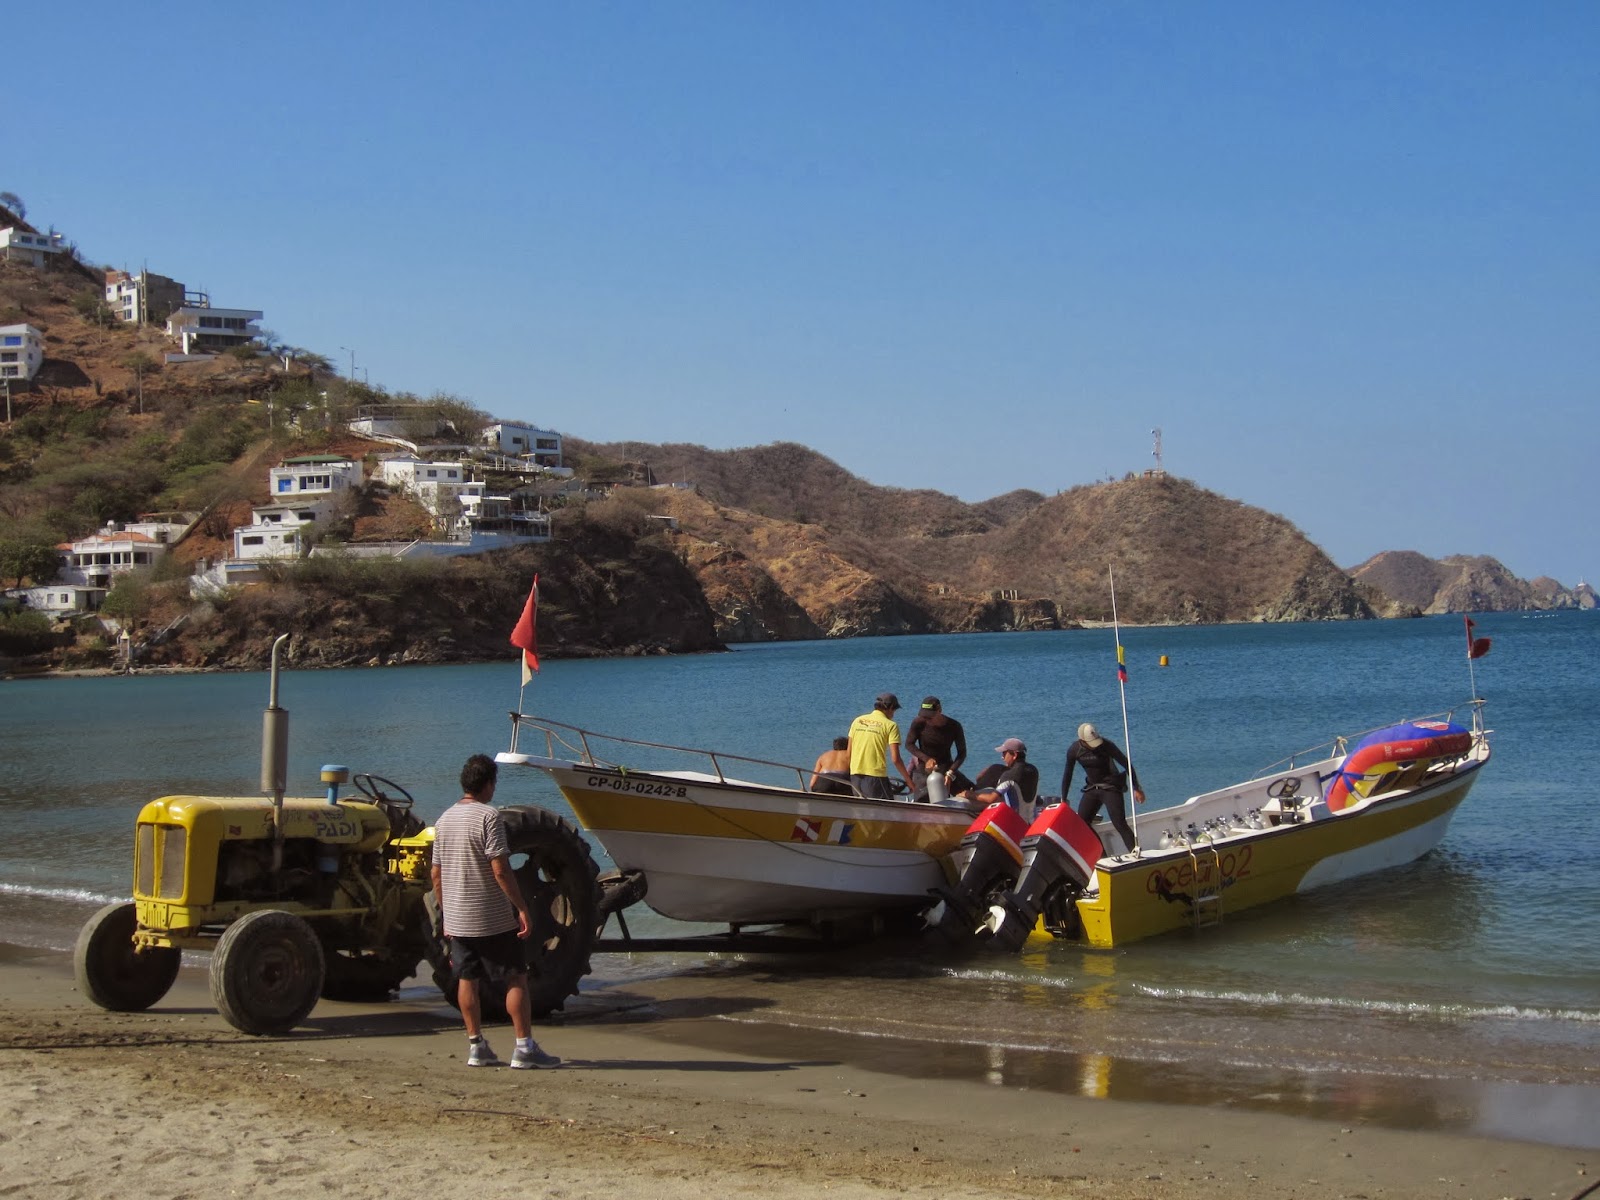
561	884
111	972
266	972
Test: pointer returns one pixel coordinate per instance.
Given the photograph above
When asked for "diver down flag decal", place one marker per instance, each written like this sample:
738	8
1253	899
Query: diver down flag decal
806	830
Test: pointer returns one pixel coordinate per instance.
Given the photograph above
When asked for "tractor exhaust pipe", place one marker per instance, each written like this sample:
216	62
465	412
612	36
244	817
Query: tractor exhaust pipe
275	755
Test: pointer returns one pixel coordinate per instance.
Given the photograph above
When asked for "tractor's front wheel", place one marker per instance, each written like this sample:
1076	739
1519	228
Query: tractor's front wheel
266	972
114	974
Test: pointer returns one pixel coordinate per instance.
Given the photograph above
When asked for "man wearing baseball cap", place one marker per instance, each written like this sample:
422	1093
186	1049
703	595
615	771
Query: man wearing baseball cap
874	739
938	746
1013	768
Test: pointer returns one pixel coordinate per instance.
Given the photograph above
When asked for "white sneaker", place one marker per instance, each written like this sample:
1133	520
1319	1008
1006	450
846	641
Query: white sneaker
522	1060
481	1054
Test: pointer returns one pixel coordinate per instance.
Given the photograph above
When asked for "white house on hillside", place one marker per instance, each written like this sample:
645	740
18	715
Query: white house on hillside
200	328
317	474
22	245
276	530
443	488
21	351
59	599
541	445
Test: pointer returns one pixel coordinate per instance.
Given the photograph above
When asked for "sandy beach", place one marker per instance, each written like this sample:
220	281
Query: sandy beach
657	1097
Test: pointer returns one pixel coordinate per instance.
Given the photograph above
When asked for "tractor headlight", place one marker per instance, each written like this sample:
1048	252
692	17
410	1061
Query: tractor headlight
174	845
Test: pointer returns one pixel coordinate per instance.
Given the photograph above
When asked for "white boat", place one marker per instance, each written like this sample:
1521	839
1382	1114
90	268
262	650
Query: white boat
731	840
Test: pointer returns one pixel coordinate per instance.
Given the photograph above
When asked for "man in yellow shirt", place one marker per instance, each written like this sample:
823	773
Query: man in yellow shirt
874	738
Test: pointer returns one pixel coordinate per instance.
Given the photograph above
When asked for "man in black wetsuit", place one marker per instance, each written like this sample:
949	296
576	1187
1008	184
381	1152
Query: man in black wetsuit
1103	783
937	743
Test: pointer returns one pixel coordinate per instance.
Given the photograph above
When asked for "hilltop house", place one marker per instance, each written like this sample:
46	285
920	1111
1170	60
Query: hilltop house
200	328
22	243
21	352
525	441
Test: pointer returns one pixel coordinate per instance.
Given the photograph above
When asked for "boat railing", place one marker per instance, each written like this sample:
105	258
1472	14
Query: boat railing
1340	745
563	741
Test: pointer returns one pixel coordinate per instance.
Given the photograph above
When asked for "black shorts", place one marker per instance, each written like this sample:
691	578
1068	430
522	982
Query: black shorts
497	958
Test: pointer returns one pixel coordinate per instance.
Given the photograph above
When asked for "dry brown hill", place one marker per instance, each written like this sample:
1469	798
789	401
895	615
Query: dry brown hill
1181	553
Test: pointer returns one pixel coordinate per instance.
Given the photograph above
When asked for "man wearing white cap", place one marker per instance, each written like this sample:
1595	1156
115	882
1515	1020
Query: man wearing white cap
1103	783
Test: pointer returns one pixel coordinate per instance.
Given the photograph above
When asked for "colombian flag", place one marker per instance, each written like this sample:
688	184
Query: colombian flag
1122	664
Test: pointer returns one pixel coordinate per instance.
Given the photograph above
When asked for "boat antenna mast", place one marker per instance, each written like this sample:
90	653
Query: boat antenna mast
1122	689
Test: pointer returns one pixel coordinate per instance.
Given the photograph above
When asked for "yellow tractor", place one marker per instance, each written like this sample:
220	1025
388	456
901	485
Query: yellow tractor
300	899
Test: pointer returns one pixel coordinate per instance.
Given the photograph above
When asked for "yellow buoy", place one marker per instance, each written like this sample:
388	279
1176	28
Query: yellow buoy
1163	660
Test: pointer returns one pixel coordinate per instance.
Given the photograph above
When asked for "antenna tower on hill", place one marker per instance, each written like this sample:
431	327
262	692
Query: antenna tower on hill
1160	467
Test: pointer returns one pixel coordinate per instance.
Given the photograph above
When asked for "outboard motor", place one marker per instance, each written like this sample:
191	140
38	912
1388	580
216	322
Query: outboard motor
1059	849
992	848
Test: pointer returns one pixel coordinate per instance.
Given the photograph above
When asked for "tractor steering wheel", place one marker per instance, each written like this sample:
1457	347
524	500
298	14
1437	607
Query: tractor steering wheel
372	787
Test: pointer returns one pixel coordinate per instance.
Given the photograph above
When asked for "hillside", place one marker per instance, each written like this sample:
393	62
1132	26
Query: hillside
770	542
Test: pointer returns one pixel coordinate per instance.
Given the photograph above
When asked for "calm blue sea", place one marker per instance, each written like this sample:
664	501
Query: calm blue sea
1473	972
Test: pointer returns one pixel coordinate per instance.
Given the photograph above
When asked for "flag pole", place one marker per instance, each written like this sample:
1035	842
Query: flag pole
1122	689
525	638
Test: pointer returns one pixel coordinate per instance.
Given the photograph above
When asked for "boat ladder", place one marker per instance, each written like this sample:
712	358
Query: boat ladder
1206	908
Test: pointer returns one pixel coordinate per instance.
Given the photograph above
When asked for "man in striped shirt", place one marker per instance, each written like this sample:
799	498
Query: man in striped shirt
485	917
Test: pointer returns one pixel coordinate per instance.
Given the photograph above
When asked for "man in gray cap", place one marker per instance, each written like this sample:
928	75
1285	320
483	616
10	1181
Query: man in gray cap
874	739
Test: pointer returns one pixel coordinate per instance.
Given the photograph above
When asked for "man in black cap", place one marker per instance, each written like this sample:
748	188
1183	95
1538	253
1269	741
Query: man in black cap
938	746
874	738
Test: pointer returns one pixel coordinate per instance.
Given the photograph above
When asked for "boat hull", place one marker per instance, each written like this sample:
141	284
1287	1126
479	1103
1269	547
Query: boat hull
1187	887
728	853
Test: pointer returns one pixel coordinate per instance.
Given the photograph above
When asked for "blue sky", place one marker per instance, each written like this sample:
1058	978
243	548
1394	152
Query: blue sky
1345	256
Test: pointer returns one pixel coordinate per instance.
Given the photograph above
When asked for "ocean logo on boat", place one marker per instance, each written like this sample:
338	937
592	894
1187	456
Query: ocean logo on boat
806	830
839	833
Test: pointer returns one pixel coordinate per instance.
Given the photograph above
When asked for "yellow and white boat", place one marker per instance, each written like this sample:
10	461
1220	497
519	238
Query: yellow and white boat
740	841
1377	800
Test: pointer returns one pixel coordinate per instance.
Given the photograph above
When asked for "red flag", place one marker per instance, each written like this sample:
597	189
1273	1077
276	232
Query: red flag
1476	647
524	636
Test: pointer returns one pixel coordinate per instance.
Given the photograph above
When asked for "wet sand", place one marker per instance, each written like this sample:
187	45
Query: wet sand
660	1095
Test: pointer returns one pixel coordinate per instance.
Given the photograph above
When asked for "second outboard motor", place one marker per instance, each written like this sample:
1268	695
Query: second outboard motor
1059	849
992	848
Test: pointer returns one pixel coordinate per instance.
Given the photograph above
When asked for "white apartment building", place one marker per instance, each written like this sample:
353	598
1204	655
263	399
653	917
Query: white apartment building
443	488
541	445
317	474
21	352
200	328
23	245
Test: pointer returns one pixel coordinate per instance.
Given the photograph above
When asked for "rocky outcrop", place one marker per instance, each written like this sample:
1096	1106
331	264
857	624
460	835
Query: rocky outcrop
597	596
1462	583
748	604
